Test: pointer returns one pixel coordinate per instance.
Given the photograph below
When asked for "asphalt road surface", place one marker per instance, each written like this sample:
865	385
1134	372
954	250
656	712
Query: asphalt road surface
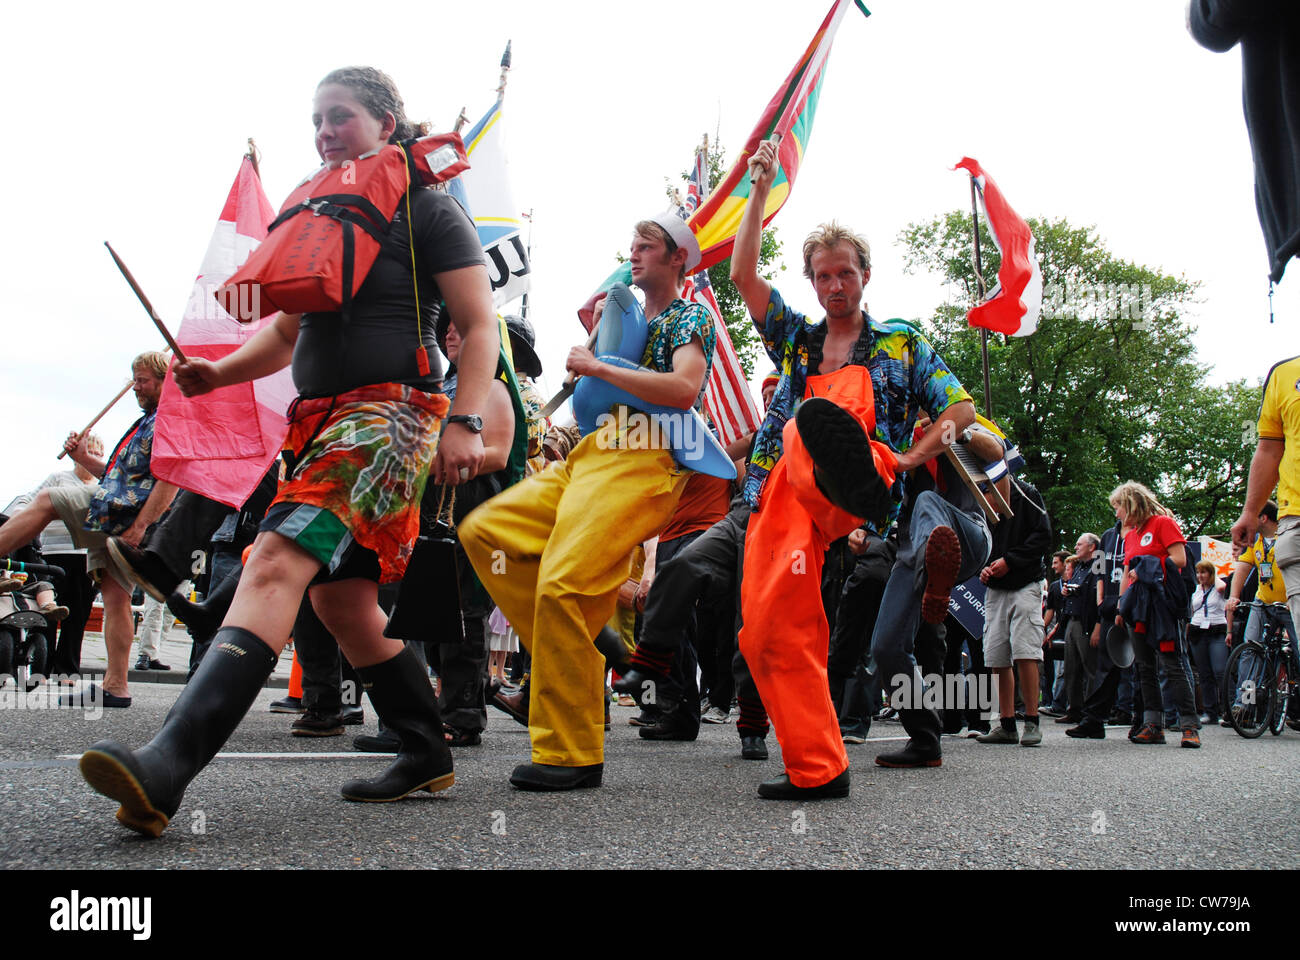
1067	804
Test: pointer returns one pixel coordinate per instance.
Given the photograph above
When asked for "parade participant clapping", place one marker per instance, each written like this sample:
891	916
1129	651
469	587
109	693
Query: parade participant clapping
363	438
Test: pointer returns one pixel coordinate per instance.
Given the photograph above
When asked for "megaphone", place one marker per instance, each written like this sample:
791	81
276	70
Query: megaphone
1119	646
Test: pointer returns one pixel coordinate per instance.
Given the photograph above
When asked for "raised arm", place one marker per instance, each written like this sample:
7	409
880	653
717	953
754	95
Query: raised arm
754	290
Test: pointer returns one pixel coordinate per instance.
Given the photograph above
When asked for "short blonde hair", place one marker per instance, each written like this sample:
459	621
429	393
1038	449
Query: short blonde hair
827	237
1138	502
153	361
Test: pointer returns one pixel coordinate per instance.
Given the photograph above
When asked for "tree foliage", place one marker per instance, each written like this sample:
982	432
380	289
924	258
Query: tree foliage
743	335
1108	389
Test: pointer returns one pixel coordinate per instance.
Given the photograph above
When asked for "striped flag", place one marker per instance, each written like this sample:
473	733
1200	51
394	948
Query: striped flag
220	444
1016	300
727	399
484	190
790	116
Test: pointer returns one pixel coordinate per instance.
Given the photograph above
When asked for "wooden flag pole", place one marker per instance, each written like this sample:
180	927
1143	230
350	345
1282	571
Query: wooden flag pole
979	280
162	328
99	416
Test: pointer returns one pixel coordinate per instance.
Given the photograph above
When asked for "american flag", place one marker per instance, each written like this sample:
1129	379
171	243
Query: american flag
727	399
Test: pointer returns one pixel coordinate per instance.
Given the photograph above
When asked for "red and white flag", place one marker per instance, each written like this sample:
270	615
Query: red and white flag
221	444
1013	305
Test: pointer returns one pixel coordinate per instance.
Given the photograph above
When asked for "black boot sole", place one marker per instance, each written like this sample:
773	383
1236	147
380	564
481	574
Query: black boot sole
133	574
111	777
433	786
841	454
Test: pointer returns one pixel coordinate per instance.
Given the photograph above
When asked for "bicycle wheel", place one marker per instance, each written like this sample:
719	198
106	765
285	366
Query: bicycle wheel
1248	689
1281	693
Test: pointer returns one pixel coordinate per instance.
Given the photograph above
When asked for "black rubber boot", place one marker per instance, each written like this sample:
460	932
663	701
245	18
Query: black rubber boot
403	697
204	619
842	462
150	782
612	648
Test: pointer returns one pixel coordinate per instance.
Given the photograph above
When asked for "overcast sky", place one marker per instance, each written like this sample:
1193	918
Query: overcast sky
127	123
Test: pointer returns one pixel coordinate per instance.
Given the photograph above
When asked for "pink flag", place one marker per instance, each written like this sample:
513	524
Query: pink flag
1016	300
221	444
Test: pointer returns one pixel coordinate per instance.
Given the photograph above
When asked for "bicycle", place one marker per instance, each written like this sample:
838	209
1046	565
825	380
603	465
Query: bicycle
1260	677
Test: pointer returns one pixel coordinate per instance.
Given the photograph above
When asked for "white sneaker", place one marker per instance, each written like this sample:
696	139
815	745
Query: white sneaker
715	715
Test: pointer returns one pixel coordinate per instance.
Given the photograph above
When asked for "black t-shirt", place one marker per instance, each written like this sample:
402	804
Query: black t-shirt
378	343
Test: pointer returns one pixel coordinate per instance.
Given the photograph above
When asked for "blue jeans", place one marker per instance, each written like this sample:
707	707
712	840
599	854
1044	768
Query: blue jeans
1210	653
894	637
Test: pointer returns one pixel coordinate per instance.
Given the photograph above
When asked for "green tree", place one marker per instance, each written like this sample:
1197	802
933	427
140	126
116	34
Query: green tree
1108	389
749	348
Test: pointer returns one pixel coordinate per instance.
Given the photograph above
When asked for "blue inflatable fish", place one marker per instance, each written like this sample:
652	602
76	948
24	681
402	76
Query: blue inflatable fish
621	342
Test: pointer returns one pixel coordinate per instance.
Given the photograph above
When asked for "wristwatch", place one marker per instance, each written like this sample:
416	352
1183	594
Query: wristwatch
472	421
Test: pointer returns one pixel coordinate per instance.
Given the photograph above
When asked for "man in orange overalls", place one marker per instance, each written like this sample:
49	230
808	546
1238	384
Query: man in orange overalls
830	467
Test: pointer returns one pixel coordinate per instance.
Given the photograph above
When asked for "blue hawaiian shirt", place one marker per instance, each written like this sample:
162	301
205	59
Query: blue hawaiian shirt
126	483
675	327
907	375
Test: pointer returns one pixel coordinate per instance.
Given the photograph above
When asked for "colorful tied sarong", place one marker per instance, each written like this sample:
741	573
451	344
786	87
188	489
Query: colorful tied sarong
362	459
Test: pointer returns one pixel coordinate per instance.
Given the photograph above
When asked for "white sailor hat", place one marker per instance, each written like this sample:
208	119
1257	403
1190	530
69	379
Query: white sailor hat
682	235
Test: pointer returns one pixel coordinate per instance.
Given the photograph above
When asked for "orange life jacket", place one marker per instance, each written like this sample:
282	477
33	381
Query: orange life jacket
320	248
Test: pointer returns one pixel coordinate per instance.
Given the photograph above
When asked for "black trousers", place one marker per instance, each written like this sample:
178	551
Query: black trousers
855	693
76	591
192	519
707	571
683	670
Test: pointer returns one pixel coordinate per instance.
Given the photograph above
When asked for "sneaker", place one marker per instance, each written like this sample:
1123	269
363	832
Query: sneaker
889	713
1033	735
942	564
315	723
1050	711
715	715
976	730
1191	739
998	735
287	705
1225	722
1149	733
142	662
